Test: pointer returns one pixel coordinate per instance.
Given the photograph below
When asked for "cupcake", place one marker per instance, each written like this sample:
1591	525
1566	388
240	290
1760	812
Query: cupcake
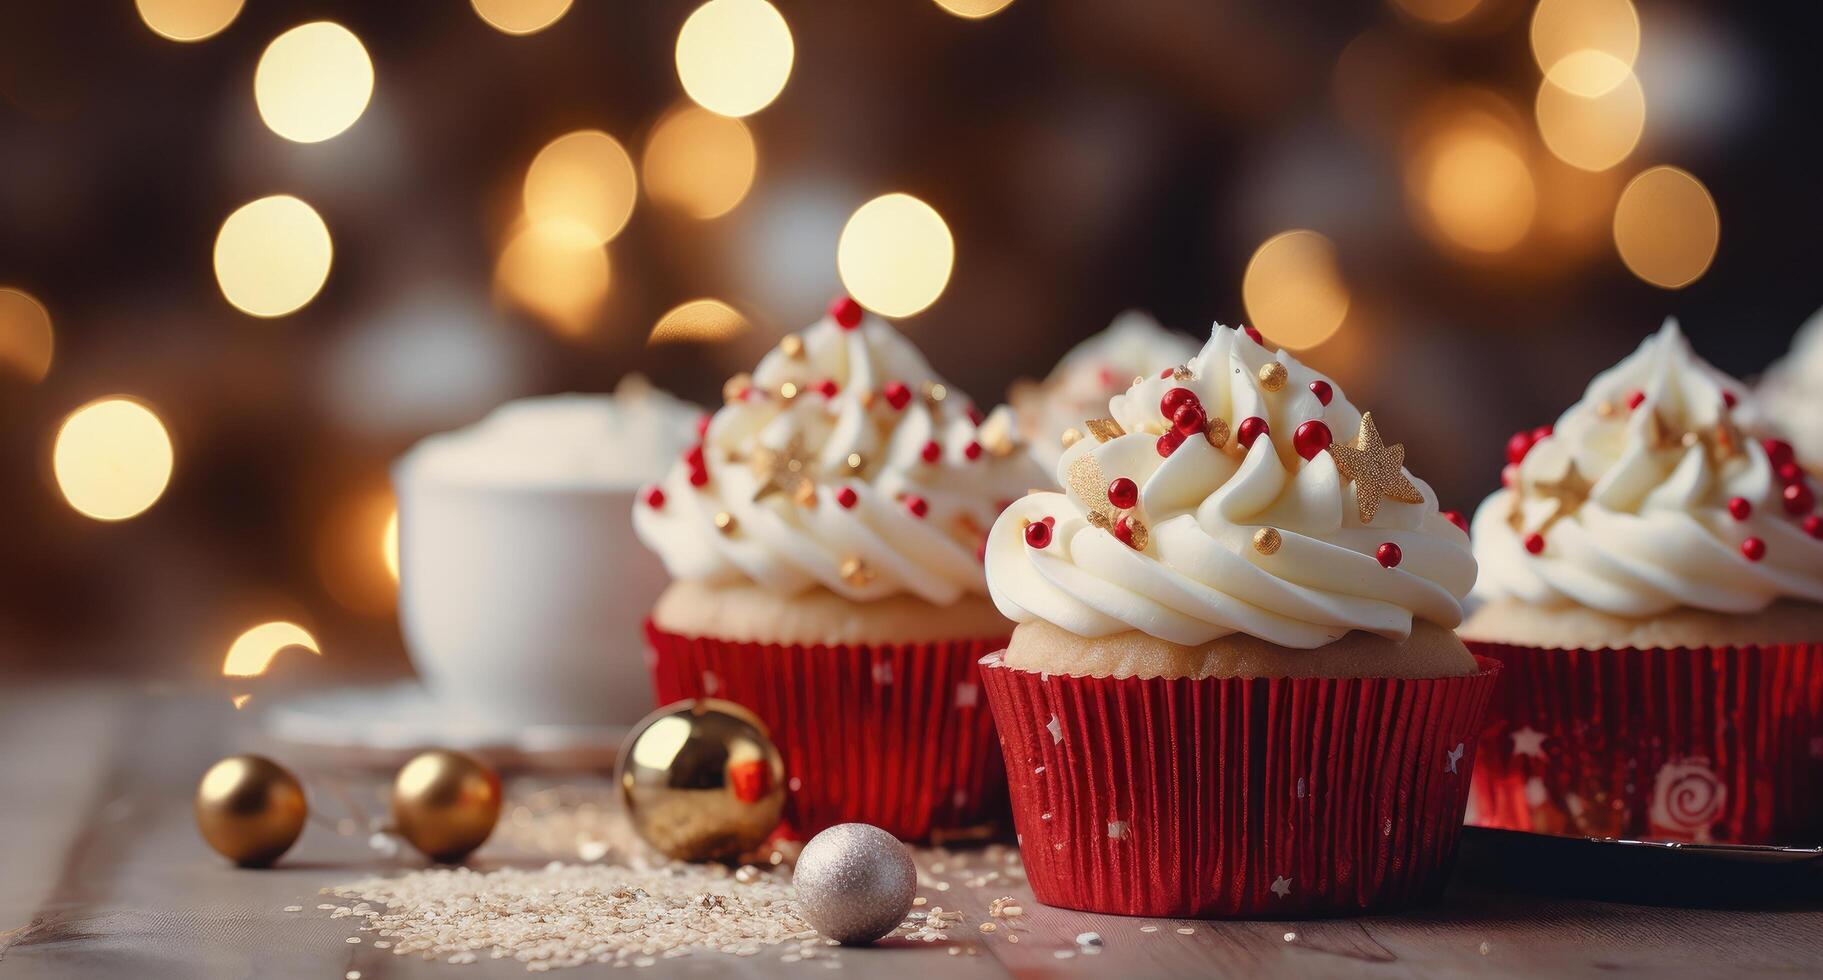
1081	383
1234	689
1792	391
824	544
1652	580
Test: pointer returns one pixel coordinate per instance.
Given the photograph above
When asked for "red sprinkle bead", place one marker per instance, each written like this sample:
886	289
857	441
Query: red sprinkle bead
931	451
699	476
917	506
1534	543
1754	549
1791	473
1778	452
972	450
702	424
1542	432
1739	508
846	312
1388	555
655	498
1635	398
975	417
1455	517
846	497
1252	427
1255	334
1728	398
1123	493
1813	526
1107	377
1168	443
693	457
1518	446
1798	499
827	388
897	395
1323	391
1175	399
1189	420
1166	373
1038	533
1311	438
1123	532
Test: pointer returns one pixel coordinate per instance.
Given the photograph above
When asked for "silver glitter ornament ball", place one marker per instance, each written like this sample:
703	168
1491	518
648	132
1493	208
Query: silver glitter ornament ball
855	882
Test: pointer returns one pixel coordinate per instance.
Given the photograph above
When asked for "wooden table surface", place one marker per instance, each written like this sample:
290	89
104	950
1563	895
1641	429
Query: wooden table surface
102	875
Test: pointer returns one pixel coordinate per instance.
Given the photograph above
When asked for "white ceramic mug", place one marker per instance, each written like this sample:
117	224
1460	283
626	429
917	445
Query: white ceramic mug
524	602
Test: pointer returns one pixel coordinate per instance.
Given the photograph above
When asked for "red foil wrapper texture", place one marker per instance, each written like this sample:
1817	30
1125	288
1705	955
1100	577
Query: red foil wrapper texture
895	735
1702	745
1236	797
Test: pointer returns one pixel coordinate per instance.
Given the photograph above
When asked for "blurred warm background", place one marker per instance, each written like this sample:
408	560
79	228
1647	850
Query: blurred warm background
253	251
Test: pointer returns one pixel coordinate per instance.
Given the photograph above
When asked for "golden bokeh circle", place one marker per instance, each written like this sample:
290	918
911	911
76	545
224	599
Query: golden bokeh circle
1591	132
1562	30
26	337
1472	184
188	20
313	82
974	9
112	459
734	56
272	256
1293	289
557	271
520	17
700	162
1666	227
697	321
585	178
1438	11
895	255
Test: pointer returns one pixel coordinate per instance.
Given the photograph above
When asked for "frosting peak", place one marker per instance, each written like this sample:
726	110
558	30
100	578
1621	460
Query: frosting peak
1101	366
1793	391
842	461
1646	497
1240	493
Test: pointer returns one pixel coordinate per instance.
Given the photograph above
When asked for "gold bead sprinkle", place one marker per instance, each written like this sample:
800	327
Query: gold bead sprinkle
1604	409
1266	540
1071	436
935	392
1217	432
788	390
1272	376
724	522
734	387
855	572
854	462
792	345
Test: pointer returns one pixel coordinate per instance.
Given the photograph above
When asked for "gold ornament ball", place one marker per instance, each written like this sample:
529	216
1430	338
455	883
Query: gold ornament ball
445	803
250	809
702	780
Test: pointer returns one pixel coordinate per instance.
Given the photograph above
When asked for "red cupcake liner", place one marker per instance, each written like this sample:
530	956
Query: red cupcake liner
1236	797
1708	745
895	735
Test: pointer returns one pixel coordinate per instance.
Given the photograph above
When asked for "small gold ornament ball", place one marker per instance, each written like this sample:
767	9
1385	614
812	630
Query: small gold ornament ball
250	809
702	780
445	803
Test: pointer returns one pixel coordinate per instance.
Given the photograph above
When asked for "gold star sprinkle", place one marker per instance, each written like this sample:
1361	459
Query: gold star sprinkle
1104	429
1567	491
1272	376
786	471
1217	432
1266	540
856	573
1378	470
1182	373
1071	436
792	346
724	522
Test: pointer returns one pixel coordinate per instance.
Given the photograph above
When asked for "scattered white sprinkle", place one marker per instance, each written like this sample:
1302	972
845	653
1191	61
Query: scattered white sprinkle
294	908
1064	954
1088	939
352	975
1148	928
351	940
1485	948
1184	930
1291	937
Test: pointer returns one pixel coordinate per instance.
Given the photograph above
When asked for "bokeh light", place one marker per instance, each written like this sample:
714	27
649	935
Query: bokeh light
253	651
558	271
1293	289
1567	36
698	321
313	82
520	17
974	9
585	178
272	256
26	338
1592	132
734	56
112	459
1472	185
188	20
700	162
895	255
1437	11
389	544
1666	227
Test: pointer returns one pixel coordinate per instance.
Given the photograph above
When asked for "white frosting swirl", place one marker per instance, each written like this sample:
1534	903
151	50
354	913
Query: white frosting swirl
1792	391
1655	456
1199	574
899	523
1079	387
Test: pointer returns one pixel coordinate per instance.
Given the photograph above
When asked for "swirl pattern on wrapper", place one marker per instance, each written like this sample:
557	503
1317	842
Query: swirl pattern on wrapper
782	459
1631	494
1196	572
